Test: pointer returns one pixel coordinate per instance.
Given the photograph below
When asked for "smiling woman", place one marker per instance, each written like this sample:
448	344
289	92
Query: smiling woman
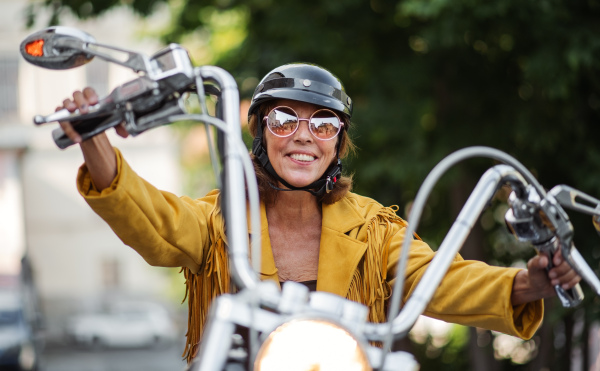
314	230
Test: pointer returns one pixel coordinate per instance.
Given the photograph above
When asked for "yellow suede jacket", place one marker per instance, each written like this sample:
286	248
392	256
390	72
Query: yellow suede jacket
360	243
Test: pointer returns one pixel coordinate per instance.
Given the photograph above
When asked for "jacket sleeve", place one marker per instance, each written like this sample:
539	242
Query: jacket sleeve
472	293
164	229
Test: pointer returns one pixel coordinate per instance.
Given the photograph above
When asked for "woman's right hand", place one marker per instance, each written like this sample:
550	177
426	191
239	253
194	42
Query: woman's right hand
82	100
98	154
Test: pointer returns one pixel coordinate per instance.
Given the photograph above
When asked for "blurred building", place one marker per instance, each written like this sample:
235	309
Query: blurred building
77	260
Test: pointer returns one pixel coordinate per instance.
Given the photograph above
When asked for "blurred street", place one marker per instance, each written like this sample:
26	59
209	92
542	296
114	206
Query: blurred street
61	358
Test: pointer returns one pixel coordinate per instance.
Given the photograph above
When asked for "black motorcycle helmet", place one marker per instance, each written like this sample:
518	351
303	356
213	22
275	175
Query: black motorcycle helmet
309	83
303	82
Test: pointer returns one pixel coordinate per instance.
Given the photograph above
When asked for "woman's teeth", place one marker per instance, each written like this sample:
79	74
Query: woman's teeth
302	157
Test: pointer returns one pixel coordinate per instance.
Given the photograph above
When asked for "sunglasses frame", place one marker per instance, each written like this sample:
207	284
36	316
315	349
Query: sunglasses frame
304	119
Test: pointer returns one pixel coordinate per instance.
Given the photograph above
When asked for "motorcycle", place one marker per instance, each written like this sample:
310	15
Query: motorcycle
291	328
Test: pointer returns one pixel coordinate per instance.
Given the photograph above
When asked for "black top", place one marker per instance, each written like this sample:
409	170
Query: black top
312	285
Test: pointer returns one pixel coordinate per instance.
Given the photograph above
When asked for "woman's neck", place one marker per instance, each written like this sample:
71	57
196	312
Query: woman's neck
294	205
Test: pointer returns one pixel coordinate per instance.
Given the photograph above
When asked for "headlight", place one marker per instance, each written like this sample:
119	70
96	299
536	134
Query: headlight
307	345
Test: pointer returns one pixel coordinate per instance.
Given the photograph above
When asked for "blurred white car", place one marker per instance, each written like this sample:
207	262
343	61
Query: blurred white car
21	340
124	325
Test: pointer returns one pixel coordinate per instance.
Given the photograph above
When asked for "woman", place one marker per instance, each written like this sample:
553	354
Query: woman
315	231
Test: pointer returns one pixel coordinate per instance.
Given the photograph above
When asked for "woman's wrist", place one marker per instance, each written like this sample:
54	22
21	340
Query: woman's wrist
100	159
523	291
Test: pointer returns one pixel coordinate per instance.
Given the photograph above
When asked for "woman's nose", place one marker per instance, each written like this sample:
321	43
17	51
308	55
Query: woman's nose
303	133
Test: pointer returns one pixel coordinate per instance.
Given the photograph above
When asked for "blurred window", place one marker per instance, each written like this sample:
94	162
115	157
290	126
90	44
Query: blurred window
8	86
9	317
97	76
110	273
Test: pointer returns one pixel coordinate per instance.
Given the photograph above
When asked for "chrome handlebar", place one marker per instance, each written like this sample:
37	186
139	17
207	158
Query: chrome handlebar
141	104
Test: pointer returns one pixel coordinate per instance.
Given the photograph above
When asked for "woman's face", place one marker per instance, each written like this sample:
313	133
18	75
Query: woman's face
300	159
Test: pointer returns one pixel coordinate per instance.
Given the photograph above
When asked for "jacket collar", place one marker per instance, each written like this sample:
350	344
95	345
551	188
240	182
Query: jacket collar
340	251
341	216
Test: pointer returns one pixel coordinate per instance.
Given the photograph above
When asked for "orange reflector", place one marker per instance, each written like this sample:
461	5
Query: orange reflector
35	48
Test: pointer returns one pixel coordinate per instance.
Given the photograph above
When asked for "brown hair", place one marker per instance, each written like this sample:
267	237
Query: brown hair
267	193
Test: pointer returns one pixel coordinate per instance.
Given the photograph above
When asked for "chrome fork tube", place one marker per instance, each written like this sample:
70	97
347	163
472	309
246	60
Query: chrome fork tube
234	200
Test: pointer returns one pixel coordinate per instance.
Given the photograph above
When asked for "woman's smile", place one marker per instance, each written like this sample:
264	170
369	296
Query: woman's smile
302	157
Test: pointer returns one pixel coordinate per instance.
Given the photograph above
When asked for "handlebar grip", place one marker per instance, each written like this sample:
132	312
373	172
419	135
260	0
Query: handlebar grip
86	129
573	296
61	139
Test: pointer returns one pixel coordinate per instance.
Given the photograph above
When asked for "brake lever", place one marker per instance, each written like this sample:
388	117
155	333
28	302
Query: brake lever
568	197
102	108
107	105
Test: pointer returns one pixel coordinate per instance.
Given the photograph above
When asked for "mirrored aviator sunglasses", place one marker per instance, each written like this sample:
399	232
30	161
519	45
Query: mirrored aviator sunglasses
323	124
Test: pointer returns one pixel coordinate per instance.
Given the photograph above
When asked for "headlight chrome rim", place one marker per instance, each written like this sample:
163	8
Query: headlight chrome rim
305	344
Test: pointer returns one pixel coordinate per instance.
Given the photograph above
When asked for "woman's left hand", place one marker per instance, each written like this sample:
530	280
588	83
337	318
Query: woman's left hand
538	283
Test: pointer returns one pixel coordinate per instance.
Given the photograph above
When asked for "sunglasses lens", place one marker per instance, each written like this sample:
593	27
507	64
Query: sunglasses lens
282	121
324	124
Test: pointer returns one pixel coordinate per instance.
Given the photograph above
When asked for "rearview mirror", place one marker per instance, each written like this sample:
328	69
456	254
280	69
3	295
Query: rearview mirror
57	48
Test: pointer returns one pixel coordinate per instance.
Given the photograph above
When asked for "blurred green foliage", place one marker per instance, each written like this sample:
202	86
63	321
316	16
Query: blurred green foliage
429	77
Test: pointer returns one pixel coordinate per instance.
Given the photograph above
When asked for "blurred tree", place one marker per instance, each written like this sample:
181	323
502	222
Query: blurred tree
429	77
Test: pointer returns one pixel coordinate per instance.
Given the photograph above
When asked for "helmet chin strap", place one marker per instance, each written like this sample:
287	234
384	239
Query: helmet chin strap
317	188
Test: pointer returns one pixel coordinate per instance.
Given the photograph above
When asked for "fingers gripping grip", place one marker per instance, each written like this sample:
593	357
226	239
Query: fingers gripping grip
569	298
86	129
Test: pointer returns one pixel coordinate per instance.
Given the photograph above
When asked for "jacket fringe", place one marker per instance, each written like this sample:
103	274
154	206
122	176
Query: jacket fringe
212	280
368	286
